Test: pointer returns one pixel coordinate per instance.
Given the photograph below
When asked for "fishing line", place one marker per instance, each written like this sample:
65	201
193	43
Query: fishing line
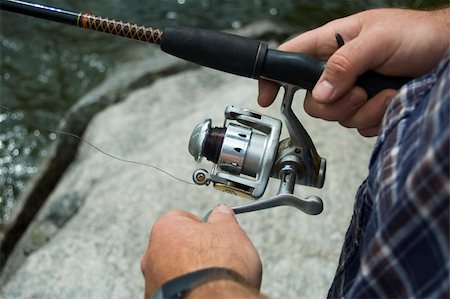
97	148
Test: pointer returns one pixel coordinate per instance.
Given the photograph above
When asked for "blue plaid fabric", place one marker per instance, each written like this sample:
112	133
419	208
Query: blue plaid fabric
397	245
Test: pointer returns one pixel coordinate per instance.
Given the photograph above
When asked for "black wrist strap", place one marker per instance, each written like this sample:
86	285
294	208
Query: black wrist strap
181	285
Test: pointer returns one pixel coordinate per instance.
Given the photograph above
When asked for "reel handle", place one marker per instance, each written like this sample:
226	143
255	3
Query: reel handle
311	205
251	58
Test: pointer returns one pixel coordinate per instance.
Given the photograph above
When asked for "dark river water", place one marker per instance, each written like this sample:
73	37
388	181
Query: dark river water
46	67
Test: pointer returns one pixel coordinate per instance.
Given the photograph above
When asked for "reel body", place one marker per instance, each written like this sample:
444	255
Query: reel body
246	151
243	151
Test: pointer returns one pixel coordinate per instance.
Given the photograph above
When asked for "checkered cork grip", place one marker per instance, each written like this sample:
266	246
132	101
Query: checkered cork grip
142	33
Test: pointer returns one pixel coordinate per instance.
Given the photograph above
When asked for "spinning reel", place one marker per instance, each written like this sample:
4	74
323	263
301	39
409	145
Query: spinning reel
246	152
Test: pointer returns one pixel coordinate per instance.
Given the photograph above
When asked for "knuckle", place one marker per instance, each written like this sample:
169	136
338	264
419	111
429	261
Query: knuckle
144	265
368	132
322	111
157	226
309	107
158	229
148	266
339	64
313	111
173	213
347	124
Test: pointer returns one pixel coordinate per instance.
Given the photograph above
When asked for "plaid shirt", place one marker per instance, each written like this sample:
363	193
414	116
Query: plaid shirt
397	244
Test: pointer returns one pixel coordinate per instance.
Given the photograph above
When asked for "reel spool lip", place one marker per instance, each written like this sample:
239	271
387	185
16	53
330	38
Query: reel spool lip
197	140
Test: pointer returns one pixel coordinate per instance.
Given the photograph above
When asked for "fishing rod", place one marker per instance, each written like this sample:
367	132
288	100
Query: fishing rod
218	50
247	150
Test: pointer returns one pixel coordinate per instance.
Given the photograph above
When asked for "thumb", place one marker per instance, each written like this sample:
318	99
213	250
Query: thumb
337	79
222	214
345	65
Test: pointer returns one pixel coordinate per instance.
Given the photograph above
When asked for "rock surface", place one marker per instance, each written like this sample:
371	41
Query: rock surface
115	89
87	240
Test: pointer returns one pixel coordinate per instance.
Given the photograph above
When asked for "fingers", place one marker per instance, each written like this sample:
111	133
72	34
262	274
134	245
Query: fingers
360	53
305	43
320	42
340	110
173	218
222	214
180	214
353	110
371	132
371	113
267	92
345	65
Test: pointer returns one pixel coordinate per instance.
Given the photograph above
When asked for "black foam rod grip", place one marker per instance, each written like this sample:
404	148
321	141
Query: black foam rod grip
218	50
304	70
251	58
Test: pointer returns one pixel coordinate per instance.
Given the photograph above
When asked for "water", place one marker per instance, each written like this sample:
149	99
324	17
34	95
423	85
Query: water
46	67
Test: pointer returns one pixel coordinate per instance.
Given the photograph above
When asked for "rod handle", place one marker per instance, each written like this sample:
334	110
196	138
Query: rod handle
304	70
218	50
251	58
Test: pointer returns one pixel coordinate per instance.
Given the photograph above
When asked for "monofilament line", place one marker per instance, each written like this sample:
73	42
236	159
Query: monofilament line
99	149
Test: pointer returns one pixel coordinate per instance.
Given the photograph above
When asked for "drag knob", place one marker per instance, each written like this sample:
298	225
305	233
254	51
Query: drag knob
206	142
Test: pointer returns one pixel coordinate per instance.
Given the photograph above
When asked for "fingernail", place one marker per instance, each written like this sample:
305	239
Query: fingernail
323	90
224	209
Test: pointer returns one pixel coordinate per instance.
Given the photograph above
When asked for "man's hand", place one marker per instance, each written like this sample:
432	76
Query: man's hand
179	244
393	42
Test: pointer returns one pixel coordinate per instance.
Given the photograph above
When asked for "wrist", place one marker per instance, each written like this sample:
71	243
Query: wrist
216	280
225	289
